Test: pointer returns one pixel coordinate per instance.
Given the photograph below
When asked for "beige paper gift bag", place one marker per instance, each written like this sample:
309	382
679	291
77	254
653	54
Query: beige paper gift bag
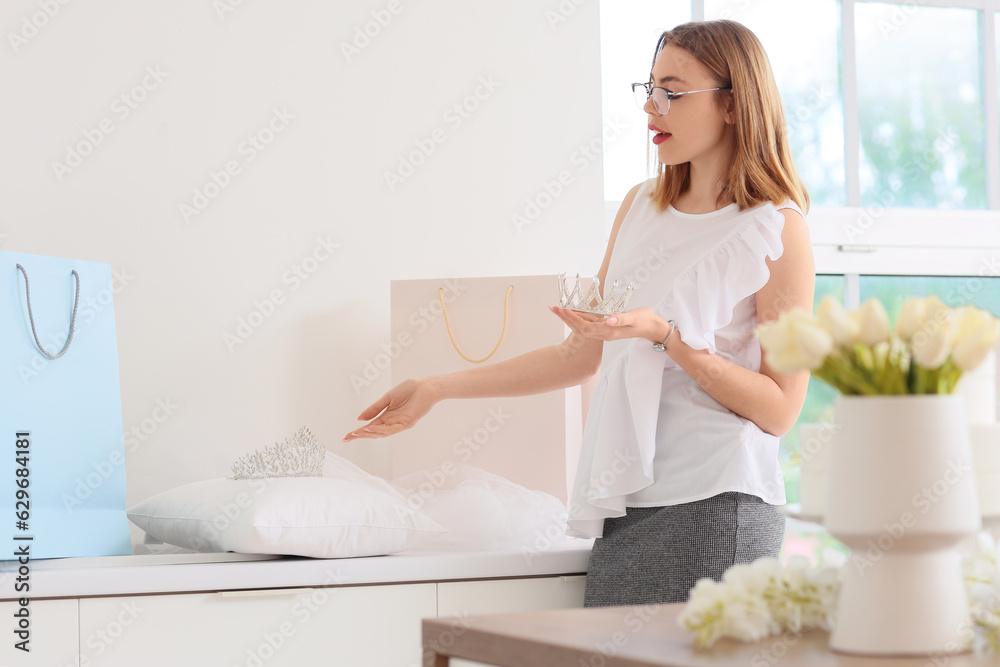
531	440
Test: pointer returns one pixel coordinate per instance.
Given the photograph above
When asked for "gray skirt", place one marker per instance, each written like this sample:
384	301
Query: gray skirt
656	555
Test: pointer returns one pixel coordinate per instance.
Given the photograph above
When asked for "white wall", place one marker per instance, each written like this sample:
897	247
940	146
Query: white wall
222	76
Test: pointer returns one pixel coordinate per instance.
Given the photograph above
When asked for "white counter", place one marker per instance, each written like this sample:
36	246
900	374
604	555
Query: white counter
174	573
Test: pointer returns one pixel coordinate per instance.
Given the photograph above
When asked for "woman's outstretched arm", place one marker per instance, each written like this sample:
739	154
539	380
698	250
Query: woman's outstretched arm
569	363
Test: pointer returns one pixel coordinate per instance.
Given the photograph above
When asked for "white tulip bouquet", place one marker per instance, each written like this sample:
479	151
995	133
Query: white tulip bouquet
859	353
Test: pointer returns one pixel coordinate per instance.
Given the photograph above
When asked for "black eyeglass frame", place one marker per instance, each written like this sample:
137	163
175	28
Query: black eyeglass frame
670	94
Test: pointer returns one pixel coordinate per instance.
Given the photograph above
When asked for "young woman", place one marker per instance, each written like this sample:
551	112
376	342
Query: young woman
678	475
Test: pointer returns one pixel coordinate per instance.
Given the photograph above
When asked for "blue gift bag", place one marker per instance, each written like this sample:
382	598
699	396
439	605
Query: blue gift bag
62	450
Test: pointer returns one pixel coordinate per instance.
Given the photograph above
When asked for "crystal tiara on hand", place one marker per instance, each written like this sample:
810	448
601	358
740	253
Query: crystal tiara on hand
574	299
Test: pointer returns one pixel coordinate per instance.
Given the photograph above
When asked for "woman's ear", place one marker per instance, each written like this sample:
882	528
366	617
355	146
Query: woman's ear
729	110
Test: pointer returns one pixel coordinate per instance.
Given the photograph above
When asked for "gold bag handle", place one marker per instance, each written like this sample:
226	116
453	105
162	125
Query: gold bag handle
447	323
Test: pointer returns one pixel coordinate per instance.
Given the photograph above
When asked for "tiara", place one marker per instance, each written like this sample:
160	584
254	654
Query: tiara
593	303
300	455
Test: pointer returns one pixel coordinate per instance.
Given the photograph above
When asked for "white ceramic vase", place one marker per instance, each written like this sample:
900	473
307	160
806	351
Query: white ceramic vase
902	496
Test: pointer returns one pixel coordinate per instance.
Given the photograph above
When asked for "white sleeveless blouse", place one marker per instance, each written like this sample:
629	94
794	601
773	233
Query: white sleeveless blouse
653	436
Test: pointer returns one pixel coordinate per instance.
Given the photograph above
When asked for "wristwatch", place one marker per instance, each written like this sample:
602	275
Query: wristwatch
662	347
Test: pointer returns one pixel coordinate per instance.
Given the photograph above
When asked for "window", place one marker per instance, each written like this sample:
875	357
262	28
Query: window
920	106
806	66
629	31
953	290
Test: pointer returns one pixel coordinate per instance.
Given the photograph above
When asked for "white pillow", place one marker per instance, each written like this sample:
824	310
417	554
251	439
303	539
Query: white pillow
319	517
483	511
340	468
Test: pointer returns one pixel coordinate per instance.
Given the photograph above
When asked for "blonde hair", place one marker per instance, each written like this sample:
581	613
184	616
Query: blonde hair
760	165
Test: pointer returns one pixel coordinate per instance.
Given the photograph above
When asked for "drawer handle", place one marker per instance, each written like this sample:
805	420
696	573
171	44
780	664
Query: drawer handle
265	592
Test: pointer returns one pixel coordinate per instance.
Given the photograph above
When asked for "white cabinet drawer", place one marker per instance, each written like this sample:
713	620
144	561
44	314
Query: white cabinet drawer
500	596
350	626
468	598
53	634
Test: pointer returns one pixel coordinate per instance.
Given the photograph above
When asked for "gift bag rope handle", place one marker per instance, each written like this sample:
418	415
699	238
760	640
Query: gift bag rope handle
31	317
503	332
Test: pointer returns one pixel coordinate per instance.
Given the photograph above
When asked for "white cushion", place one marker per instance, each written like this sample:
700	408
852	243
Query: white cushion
341	468
319	517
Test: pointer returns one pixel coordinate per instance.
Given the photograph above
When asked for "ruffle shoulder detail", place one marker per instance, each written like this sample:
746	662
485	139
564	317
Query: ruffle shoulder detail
705	295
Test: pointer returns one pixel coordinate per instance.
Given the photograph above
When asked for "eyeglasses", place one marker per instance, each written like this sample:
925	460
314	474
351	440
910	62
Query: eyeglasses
662	96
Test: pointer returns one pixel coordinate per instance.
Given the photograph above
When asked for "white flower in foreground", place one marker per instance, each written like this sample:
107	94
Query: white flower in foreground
982	580
932	346
976	333
928	325
823	590
762	599
735	608
720	609
794	342
703	613
917	312
753	579
803	597
873	321
747	617
922	314
936	310
911	317
832	316
754	601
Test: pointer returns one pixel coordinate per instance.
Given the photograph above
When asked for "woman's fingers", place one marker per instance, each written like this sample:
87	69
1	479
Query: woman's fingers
378	429
559	312
575	315
396	411
399	409
370	432
360	434
375	408
588	317
574	320
587	325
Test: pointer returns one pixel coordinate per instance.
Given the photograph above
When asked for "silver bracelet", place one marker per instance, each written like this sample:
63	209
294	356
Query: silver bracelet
662	347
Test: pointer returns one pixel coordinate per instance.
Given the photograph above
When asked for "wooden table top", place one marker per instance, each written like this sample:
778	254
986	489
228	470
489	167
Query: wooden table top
643	636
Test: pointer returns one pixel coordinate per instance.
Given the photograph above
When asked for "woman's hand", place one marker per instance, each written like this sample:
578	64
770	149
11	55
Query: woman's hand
401	407
639	323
